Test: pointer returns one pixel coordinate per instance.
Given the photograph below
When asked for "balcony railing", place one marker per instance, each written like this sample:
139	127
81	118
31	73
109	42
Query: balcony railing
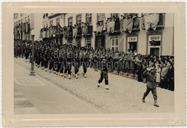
160	25
136	24
88	31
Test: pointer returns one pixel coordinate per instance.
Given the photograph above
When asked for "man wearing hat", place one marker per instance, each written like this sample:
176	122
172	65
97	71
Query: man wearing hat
104	73
150	74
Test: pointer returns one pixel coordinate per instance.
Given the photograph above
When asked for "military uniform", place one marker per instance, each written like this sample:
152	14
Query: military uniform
69	63
76	63
151	84
104	74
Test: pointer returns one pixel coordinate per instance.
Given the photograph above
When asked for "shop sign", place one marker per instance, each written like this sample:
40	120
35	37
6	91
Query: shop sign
155	38
132	39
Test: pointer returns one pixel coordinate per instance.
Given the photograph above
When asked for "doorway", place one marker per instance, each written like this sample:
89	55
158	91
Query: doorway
133	46
100	42
154	51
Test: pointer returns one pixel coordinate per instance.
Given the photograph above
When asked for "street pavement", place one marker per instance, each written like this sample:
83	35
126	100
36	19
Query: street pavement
48	93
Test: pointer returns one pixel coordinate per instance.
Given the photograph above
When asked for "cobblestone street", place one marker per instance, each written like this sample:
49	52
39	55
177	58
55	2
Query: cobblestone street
48	93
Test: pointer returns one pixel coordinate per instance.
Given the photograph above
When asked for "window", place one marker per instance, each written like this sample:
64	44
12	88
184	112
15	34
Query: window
78	19
70	21
115	44
57	21
51	23
89	18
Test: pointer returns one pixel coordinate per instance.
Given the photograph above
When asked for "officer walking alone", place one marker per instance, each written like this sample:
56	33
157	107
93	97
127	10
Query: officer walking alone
150	74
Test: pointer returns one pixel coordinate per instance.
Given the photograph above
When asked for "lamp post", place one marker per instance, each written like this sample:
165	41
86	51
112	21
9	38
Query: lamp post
32	73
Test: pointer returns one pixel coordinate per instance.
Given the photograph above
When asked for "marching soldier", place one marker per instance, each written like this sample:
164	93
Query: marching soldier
69	62
150	74
51	59
85	58
61	61
56	61
76	62
104	74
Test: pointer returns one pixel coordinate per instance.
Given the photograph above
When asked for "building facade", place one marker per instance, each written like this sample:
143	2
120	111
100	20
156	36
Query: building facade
26	25
149	33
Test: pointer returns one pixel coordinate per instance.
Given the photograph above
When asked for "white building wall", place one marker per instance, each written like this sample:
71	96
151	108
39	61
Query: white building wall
124	41
37	25
168	35
94	23
142	42
108	41
83	19
121	42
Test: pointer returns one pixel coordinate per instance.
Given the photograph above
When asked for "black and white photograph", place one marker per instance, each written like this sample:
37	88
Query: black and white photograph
100	64
93	62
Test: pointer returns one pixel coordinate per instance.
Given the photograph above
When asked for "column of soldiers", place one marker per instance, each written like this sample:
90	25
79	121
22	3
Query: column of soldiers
66	60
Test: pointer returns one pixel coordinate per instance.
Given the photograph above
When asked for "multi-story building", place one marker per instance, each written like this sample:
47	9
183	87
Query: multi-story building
27	24
150	33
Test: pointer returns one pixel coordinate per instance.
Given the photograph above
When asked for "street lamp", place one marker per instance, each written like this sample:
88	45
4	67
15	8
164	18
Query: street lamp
32	73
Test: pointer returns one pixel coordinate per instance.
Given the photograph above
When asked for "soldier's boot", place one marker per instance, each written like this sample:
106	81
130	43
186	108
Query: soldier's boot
98	85
76	76
84	75
69	76
61	74
155	103
106	87
143	100
65	75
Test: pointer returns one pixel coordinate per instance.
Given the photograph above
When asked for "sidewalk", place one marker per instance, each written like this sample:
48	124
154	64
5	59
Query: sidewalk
124	95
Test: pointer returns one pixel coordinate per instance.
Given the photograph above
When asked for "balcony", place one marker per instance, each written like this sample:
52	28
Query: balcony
100	31
88	31
160	23
113	26
130	24
59	30
136	24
